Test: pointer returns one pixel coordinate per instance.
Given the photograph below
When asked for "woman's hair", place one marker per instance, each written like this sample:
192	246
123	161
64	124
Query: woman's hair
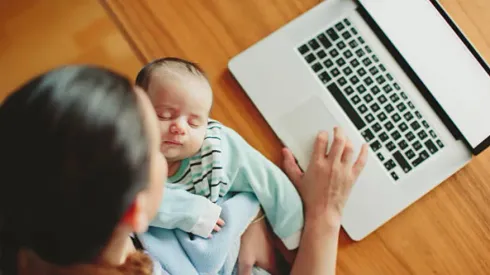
74	153
144	75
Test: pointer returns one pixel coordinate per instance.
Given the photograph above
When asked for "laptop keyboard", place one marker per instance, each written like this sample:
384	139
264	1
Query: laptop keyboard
371	97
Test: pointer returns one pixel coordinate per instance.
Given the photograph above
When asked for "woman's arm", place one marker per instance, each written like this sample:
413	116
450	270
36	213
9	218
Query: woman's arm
324	188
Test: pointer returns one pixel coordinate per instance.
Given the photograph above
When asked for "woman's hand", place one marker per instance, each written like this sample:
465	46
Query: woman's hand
327	182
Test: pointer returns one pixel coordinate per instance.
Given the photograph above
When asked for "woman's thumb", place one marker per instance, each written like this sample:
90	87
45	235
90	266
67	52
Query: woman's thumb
291	167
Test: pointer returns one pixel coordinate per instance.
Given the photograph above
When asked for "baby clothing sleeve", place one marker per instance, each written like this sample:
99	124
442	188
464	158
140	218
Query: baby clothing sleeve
247	170
189	212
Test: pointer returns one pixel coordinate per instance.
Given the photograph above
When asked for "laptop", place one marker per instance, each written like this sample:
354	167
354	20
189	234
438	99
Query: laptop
396	74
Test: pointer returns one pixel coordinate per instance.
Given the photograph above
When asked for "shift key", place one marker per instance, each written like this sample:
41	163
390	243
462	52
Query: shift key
400	159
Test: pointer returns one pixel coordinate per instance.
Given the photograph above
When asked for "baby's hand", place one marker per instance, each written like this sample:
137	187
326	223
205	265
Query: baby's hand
217	227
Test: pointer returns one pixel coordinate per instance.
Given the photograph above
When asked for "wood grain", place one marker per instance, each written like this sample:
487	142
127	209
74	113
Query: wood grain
446	232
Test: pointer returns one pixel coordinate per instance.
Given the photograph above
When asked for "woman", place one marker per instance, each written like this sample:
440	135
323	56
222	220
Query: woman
82	170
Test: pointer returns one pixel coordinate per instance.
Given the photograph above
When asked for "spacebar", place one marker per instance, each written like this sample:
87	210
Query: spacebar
344	103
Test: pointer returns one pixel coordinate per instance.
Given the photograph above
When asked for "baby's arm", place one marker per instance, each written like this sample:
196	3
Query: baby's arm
189	212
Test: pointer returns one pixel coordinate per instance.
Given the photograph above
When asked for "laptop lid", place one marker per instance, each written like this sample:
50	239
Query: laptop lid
424	40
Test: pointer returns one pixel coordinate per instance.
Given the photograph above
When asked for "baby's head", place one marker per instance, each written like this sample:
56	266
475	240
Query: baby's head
182	98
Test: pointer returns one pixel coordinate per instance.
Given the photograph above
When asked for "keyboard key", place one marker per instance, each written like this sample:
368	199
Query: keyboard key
368	49
390	164
342	81
394	175
389	126
328	63
403	127
416	145
369	118
334	53
397	87
418	115
317	67
313	44
321	54
335	72
403	144
390	77
347	22
347	71
361	89
410	154
353	44
362	109
410	104
332	34
366	61
340	62
349	90
361	40
426	125
415	125
431	146
387	88
361	72
310	58
383	137
339	26
360	53
402	162
410	136
396	135
354	63
401	107
376	127
368	98
368	80
347	54
423	156
408	116
382	116
382	99
324	40
374	71
380	156
402	94
380	79
341	45
375	58
382	67
303	49
375	146
441	145
375	90
394	98
374	107
396	118
354	80
432	134
344	103
422	134
367	134
389	108
324	77
390	146
356	99
346	35
354	31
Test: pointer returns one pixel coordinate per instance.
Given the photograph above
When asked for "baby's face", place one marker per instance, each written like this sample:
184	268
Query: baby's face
182	104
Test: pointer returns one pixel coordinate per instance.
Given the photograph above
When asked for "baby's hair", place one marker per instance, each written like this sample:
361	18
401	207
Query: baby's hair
144	75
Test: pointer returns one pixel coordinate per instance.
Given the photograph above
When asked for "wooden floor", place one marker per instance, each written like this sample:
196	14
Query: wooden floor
446	232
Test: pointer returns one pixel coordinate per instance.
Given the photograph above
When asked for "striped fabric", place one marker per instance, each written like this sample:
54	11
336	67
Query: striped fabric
204	175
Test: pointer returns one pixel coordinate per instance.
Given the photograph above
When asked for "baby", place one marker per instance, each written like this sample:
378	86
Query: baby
207	160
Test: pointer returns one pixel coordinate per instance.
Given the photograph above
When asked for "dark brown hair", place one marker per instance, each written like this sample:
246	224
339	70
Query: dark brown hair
144	75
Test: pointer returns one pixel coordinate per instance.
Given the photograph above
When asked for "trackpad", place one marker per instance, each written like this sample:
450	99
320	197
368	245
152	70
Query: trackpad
299	128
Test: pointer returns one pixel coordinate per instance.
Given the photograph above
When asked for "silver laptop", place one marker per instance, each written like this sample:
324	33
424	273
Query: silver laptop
396	74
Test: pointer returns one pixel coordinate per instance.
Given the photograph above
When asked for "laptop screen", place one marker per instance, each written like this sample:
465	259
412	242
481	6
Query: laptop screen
456	76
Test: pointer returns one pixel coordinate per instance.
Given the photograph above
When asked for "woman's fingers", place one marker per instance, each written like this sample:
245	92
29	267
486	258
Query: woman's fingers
348	152
338	145
220	222
290	167
320	147
361	161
